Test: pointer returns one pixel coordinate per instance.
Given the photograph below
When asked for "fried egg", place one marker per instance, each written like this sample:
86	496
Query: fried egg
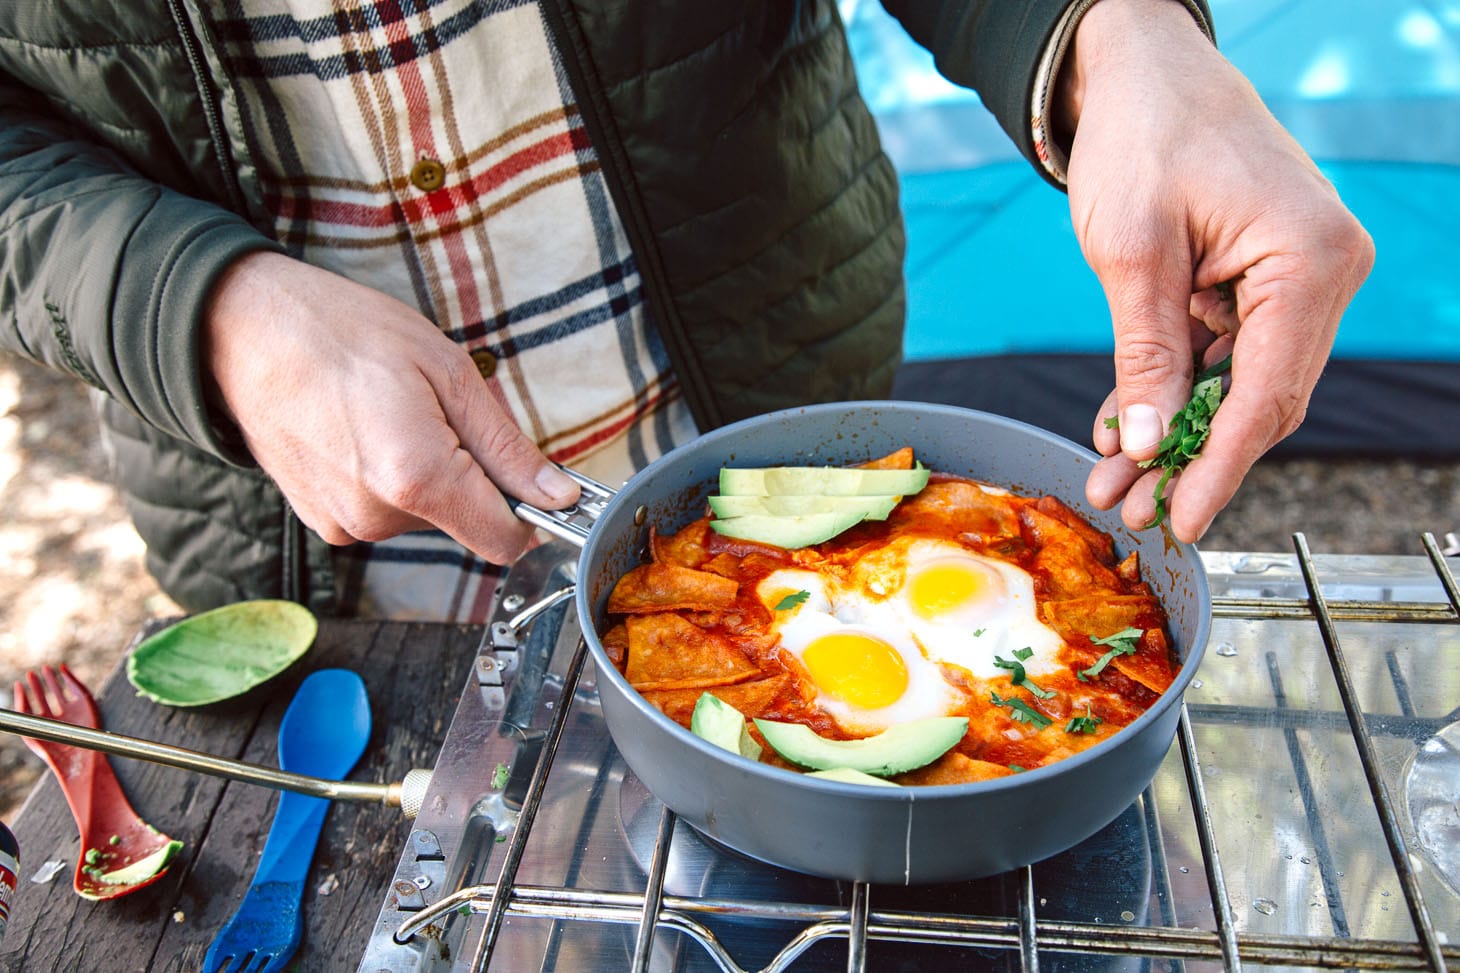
967	610
866	670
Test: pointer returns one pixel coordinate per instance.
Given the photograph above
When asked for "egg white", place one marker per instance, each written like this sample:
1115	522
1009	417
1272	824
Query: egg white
831	608
972	635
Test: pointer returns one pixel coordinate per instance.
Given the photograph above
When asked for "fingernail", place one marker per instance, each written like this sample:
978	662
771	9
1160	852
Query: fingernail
555	483
1140	428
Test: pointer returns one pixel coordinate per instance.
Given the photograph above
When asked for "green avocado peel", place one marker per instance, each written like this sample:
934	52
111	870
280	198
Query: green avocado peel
221	653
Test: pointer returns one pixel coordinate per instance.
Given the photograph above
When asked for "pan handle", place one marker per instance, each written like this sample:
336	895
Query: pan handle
573	523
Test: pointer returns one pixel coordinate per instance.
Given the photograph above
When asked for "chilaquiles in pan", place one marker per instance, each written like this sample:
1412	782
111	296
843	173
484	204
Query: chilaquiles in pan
965	601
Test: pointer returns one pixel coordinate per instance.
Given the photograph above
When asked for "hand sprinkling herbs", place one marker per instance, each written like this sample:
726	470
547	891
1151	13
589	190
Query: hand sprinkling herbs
1121	643
793	600
1188	434
1018	676
1021	712
1083	724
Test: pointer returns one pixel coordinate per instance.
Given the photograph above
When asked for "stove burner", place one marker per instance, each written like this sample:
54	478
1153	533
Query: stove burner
1107	878
1432	795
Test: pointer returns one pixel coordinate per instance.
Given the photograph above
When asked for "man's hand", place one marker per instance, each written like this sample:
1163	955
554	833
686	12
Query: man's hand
370	420
1203	219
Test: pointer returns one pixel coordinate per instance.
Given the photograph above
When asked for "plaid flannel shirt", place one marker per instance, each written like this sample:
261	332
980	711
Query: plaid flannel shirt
432	150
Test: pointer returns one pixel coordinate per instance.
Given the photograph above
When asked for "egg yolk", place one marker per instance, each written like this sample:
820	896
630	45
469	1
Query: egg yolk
861	670
946	586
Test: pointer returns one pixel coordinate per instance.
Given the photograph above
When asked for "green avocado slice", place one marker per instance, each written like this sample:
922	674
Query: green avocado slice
799	505
723	725
906	746
847	775
835	481
787	532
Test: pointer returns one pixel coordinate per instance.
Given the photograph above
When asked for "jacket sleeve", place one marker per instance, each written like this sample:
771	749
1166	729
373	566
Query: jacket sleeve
104	273
996	48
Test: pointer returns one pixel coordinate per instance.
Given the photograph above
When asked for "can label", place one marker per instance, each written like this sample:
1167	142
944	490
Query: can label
8	869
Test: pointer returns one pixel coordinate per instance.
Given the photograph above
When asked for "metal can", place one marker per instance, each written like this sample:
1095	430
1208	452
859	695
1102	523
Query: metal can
9	872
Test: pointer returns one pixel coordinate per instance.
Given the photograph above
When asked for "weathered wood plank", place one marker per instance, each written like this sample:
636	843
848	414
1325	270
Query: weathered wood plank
413	673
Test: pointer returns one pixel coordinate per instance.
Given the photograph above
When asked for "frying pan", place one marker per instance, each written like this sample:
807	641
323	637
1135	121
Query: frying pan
855	831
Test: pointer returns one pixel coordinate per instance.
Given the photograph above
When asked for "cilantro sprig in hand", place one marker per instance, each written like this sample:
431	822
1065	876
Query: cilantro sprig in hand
1188	433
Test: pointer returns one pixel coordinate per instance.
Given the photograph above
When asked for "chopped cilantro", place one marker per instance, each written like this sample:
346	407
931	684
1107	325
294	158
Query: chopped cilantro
1021	712
793	600
1023	654
977	632
1188	432
1019	677
1083	724
1124	635
499	777
1121	643
1016	768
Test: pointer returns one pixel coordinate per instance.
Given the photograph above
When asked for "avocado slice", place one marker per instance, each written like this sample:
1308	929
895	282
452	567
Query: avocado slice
835	481
723	725
799	505
849	776
905	746
787	532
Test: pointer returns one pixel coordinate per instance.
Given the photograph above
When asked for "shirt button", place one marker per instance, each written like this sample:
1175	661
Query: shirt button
428	174
485	361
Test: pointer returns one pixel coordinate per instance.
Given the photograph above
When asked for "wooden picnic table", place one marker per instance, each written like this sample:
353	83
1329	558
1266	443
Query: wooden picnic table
414	674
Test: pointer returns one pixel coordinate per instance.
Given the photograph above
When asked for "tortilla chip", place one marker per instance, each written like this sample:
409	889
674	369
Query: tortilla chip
1100	543
752	698
901	459
1076	619
965	508
616	644
953	768
653	588
667	652
1064	558
685	547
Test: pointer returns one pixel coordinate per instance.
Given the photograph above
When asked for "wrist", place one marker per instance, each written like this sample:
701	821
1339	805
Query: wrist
239	295
1108	33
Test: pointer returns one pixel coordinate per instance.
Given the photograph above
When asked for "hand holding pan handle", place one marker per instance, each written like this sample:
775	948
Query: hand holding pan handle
573	523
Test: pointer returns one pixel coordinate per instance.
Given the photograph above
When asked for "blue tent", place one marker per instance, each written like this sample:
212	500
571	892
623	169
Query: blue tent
1372	92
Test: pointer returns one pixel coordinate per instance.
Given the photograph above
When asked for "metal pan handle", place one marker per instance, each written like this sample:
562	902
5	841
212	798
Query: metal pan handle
573	523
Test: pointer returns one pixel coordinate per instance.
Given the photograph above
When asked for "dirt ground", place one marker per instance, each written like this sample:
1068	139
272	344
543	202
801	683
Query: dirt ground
73	588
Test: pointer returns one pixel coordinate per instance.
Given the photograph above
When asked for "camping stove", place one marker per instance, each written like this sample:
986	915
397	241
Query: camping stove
1308	814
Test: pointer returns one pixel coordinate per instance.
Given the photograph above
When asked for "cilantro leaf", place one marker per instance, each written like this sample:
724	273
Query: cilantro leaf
1124	635
1188	432
1121	643
793	600
499	777
1019	677
1083	724
1021	712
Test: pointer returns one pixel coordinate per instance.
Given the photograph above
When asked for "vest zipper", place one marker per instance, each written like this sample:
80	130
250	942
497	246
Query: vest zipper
567	34
293	561
208	95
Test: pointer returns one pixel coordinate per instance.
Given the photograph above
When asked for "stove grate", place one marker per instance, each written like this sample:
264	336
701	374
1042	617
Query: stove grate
1026	935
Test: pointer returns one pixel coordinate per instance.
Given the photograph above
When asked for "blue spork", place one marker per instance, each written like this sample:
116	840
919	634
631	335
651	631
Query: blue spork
323	734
